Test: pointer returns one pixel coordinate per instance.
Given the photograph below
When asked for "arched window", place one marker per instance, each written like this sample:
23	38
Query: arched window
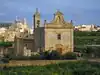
59	36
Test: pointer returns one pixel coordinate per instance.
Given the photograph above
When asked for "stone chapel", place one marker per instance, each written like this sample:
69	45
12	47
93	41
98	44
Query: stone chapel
55	35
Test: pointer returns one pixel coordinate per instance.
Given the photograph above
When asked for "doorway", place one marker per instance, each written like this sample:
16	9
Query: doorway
59	48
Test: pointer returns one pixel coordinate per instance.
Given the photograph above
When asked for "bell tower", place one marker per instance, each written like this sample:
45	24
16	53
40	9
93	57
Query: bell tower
36	19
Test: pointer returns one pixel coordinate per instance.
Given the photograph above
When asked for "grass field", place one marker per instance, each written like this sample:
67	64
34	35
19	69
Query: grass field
64	68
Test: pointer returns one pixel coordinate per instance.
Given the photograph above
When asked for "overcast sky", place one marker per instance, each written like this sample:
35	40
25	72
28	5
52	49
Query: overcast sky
80	11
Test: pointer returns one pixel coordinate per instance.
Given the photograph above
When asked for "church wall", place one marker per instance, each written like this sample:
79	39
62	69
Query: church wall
46	37
39	38
66	39
19	47
29	44
20	43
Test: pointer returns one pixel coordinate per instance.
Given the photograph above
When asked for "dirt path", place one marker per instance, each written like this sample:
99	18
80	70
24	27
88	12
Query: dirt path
40	62
34	62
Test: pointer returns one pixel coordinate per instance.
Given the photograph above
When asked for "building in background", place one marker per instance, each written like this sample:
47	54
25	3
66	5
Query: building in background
98	28
19	27
24	44
3	28
5	25
86	28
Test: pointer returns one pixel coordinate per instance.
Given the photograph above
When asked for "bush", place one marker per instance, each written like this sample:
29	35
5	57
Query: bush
54	55
70	55
6	44
5	60
45	55
20	58
88	51
35	57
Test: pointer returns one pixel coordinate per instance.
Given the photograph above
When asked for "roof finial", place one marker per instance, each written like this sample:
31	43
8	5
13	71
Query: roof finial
71	21
45	21
57	10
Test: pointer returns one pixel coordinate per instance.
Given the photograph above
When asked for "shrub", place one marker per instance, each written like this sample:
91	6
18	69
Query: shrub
5	60
45	55
70	55
54	55
6	44
88	51
35	57
20	58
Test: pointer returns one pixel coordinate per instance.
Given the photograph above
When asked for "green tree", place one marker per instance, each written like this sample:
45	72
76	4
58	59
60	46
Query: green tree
4	46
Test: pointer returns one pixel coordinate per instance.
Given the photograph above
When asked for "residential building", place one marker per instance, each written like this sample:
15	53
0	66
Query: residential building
86	27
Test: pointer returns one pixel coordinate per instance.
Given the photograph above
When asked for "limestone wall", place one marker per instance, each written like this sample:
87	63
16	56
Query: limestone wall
39	38
66	39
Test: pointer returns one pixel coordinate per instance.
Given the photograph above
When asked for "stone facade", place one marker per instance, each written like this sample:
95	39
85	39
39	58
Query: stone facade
56	35
19	34
24	42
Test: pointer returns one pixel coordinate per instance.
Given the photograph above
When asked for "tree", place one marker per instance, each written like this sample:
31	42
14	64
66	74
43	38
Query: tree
4	46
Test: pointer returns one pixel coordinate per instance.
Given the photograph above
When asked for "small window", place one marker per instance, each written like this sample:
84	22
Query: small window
59	36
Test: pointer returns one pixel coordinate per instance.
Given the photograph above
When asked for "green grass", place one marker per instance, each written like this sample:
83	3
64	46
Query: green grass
68	68
86	38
